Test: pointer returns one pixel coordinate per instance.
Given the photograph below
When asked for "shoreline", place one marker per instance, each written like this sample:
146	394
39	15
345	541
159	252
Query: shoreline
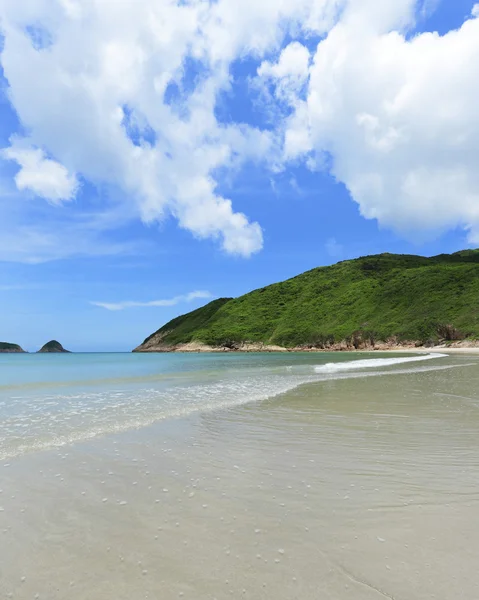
241	502
464	347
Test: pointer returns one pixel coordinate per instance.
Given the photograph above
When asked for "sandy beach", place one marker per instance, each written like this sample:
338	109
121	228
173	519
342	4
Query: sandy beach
457	350
357	488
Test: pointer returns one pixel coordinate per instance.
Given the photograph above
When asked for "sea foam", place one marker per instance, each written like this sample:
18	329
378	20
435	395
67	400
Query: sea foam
372	363
39	420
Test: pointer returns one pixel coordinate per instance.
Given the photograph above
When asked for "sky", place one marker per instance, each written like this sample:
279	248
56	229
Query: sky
157	154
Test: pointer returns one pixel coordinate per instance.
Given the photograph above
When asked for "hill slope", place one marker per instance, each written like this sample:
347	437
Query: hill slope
53	347
409	298
10	348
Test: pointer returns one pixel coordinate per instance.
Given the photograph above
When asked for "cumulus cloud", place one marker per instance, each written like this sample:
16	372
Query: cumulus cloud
124	94
113	100
115	306
289	74
40	175
397	118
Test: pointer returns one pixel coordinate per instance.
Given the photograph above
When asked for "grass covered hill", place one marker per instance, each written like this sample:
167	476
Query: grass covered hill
374	298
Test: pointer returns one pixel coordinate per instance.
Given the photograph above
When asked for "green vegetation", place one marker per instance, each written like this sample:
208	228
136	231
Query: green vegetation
410	298
6	347
183	328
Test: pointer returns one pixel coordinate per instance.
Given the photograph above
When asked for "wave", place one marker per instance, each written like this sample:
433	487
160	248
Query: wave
372	363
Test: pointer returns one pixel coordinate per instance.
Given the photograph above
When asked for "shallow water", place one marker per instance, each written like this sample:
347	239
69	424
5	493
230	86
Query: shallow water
54	400
362	485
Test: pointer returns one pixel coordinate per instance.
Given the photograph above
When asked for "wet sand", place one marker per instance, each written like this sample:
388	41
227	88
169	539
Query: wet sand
349	489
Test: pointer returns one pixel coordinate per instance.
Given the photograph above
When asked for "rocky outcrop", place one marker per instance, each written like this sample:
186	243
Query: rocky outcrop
154	343
7	348
200	347
53	347
344	346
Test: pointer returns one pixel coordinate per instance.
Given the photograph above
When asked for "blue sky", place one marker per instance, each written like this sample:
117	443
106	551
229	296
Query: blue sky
107	198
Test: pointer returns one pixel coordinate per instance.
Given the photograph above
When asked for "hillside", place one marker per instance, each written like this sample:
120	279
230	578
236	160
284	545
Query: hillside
359	302
52	347
10	348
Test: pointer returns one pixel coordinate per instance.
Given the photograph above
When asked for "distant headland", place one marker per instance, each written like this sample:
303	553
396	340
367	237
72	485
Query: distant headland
376	302
8	348
50	347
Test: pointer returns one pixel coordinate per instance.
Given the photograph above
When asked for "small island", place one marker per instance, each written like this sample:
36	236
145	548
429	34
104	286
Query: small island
53	347
7	348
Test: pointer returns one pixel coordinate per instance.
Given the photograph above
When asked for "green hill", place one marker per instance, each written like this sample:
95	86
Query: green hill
369	299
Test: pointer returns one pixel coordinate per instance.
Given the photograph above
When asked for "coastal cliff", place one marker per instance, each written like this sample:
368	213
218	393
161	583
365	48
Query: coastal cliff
374	302
53	347
7	348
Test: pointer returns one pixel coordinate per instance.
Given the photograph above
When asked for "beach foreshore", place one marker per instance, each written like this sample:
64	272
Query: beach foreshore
451	350
353	489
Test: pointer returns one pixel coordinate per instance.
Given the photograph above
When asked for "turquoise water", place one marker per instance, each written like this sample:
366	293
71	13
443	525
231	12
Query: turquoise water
53	400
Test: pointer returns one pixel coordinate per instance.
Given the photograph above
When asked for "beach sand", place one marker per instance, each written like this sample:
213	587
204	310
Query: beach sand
456	350
355	489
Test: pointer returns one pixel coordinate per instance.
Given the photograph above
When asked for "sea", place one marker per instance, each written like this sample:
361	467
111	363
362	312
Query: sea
203	476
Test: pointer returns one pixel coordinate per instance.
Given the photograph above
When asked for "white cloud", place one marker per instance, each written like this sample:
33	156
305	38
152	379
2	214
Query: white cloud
289	73
40	175
475	10
398	119
110	61
115	306
393	115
